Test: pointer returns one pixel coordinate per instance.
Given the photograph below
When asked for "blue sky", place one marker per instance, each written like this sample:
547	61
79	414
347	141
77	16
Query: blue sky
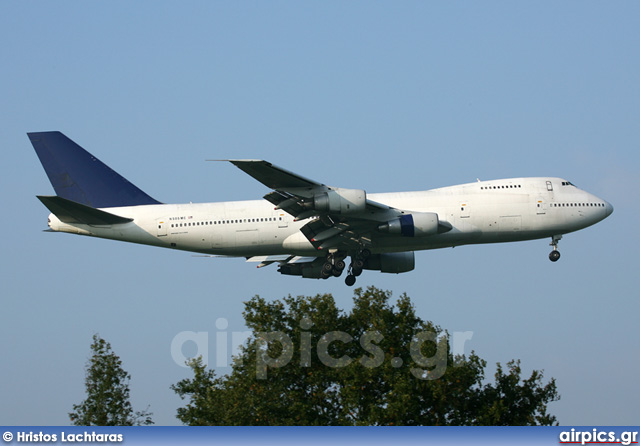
373	95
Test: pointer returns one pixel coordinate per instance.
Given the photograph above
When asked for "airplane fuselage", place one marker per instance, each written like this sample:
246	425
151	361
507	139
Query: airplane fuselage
482	212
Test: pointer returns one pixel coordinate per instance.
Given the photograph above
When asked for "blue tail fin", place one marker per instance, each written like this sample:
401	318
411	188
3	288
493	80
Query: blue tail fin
78	176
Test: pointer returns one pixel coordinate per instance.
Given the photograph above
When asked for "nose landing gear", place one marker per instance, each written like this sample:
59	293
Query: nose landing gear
554	255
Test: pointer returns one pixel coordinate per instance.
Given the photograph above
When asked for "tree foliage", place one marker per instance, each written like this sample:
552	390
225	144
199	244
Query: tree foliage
309	363
107	387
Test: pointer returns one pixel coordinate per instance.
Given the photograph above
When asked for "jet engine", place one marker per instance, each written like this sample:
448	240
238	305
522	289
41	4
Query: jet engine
419	224
307	270
340	201
392	262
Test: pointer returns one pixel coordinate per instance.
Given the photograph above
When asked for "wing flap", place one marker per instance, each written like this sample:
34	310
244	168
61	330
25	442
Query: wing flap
284	259
268	260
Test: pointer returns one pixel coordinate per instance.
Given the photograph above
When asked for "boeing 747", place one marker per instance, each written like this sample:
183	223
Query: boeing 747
308	228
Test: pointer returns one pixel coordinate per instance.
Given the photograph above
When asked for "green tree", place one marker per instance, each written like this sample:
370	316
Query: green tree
309	363
107	387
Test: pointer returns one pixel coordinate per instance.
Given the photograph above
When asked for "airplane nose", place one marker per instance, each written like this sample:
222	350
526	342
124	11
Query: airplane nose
608	208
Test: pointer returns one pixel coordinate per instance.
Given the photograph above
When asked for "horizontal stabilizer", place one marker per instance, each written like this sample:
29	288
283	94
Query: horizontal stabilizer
71	212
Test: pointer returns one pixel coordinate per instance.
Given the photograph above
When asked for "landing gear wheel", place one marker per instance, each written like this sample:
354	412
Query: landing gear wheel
350	280
340	265
336	272
365	253
555	254
328	267
326	274
358	264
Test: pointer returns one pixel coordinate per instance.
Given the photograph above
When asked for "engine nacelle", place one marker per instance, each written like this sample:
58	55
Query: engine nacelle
306	270
419	224
340	201
392	262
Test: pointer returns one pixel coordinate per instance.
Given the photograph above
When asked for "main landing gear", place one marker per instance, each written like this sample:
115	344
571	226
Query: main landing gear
356	267
333	266
554	255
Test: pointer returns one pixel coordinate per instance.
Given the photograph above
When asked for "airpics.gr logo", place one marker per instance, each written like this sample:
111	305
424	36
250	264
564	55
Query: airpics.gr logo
596	436
372	355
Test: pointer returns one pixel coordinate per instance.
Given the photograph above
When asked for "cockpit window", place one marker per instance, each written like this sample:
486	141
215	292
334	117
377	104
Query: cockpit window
568	183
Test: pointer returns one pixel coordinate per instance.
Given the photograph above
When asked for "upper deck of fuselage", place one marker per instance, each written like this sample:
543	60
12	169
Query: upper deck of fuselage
514	185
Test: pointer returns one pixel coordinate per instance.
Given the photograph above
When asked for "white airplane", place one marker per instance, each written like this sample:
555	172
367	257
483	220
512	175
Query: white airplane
308	228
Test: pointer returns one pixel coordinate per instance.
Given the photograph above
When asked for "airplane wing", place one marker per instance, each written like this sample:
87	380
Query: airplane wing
340	218
273	177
